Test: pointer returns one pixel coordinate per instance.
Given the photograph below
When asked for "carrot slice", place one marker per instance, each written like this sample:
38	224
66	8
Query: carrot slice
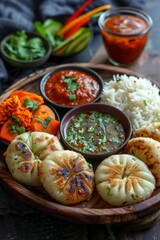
52	127
43	111
44	120
5	133
32	96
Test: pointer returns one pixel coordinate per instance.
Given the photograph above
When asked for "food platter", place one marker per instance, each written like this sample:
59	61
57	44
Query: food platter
95	210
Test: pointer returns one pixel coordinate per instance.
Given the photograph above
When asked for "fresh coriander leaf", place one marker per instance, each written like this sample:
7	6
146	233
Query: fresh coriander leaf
39	120
71	85
19	46
45	122
30	104
15	119
145	103
72	97
35	43
15	128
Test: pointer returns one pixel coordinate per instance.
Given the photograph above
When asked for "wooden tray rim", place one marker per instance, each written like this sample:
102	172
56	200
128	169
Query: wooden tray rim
90	215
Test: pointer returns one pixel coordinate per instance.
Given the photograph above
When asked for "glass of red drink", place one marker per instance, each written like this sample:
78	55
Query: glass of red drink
125	33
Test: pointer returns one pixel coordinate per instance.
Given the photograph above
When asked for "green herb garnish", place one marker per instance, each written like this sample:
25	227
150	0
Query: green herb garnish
30	104
145	103
15	127
72	97
71	85
108	190
45	122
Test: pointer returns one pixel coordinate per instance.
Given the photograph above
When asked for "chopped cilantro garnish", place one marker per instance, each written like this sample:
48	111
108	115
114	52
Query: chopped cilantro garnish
15	127
71	87
72	97
145	103
30	104
44	122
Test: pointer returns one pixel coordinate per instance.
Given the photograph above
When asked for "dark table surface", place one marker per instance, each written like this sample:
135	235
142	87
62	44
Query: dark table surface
36	225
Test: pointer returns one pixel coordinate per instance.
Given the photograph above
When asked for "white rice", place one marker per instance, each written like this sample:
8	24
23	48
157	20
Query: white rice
137	97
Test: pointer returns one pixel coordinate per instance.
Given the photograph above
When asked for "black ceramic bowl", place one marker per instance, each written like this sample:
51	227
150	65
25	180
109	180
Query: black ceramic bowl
26	63
102	108
74	68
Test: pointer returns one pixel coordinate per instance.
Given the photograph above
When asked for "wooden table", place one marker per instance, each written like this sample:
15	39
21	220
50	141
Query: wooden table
148	64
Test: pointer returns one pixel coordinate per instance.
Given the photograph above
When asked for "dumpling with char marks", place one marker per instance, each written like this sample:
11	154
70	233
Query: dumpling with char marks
124	180
151	130
147	150
67	177
25	154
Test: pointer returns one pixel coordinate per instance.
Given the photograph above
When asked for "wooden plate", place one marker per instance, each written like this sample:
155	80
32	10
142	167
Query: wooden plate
94	211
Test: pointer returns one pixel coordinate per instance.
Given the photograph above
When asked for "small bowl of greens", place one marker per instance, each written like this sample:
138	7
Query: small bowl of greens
65	43
25	49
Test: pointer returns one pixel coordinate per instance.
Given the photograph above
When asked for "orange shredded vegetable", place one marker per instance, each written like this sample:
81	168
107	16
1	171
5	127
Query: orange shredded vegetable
25	111
7	107
24	116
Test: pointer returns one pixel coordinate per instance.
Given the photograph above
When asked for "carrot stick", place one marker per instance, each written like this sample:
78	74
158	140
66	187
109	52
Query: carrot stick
44	111
77	27
5	133
79	19
78	11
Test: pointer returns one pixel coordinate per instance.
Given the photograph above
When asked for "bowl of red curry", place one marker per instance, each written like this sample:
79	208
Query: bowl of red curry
95	130
66	87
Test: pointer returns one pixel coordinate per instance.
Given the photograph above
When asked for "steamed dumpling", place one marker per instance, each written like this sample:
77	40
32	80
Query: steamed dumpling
151	130
123	180
147	150
67	177
25	154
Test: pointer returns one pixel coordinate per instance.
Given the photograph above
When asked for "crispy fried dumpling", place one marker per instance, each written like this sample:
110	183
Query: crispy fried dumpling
25	154
151	130
123	180
67	177
147	150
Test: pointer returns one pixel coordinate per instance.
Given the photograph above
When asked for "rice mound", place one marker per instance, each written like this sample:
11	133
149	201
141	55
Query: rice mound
137	97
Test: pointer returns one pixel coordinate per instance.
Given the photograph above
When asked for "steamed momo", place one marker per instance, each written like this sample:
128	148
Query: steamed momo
67	177
151	130
123	180
25	154
147	150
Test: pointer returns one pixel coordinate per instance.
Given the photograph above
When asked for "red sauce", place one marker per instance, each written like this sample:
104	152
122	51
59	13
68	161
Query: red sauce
71	88
125	43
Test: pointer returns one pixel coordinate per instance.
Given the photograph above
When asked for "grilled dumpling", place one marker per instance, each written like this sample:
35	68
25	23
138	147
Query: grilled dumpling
67	177
151	130
25	154
123	180
147	150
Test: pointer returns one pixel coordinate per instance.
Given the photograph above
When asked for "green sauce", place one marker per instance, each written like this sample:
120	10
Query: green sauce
95	132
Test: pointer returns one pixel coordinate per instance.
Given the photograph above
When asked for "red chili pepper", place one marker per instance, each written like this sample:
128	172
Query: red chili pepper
76	27
78	11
